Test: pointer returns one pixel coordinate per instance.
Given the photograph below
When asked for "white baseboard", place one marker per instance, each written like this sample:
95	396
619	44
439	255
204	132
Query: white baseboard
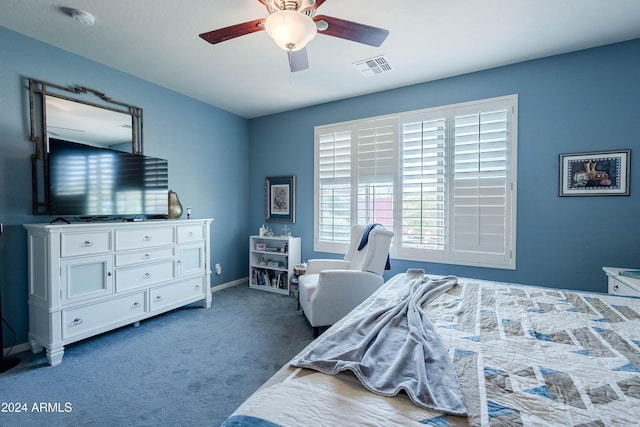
229	284
18	348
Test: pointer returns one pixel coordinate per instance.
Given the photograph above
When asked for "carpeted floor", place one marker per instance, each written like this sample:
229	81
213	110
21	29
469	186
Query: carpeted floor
188	367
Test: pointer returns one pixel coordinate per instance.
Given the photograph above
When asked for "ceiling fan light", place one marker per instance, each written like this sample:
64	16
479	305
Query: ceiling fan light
290	30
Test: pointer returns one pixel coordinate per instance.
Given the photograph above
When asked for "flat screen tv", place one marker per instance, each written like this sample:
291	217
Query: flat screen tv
87	181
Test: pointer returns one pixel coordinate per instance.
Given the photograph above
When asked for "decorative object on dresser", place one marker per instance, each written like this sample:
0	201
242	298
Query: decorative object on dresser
175	207
280	198
89	278
621	282
271	262
634	274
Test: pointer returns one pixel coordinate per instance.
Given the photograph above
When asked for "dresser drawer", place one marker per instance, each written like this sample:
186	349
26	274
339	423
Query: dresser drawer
144	275
81	320
190	233
163	296
149	255
616	287
144	238
74	244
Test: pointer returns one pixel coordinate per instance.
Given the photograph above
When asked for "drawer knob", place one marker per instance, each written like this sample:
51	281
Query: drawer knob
146	238
135	305
146	275
87	243
190	234
146	256
196	287
108	273
616	287
76	321
158	298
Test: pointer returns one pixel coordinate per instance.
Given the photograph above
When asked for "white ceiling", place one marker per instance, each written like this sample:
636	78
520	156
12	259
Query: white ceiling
157	40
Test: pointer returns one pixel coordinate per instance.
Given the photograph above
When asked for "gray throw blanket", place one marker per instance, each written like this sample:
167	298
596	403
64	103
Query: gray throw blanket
395	348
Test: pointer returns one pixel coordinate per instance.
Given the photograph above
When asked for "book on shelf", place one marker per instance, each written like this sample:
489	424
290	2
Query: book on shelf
282	280
634	274
260	277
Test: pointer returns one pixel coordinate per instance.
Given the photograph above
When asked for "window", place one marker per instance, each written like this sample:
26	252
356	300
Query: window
443	179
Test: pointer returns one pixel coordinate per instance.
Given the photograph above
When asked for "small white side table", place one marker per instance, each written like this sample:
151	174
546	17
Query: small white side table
621	285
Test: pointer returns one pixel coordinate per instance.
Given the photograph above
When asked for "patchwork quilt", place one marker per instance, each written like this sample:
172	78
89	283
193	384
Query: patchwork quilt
524	356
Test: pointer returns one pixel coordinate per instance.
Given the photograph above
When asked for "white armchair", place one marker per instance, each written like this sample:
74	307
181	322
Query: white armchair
331	288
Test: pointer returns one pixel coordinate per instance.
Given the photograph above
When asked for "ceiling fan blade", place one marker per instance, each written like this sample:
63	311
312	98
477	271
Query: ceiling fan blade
336	27
227	33
298	60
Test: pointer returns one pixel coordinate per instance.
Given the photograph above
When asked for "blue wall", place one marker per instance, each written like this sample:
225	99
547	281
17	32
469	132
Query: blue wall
583	101
207	149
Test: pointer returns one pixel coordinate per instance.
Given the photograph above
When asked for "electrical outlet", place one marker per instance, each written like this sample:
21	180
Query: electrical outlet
218	269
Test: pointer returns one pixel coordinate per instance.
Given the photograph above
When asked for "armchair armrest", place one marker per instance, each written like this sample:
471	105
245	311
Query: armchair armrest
339	292
315	266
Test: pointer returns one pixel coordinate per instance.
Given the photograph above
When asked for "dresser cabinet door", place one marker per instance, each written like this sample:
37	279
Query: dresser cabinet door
86	278
190	259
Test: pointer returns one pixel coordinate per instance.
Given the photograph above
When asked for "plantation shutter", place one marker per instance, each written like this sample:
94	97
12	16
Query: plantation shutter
442	178
481	220
333	153
375	170
423	175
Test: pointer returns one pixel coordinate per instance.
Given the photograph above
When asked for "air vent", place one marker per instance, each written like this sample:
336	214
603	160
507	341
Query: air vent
373	66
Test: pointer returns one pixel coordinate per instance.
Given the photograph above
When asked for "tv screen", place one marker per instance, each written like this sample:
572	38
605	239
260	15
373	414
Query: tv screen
87	181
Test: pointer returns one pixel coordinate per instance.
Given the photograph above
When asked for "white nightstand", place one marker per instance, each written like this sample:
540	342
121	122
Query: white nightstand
622	285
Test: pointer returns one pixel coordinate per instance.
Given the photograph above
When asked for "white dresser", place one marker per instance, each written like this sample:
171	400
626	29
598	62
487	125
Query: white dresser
88	278
621	285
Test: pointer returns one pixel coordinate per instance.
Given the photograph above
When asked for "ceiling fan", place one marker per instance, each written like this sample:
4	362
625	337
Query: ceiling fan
294	23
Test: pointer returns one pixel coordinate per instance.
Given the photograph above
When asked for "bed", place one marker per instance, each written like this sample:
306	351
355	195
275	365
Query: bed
522	355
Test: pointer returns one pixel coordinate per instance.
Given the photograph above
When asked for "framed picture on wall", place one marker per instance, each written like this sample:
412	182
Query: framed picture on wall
280	198
600	173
